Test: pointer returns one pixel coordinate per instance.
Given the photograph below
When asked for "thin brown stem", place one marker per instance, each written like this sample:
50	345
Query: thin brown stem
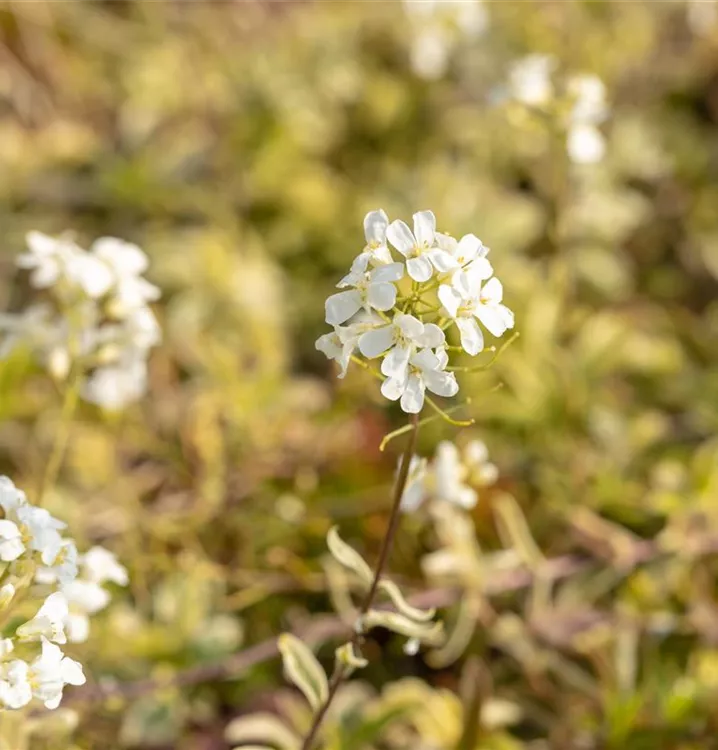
342	673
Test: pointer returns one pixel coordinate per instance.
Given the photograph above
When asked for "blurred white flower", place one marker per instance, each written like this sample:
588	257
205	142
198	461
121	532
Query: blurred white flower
531	82
99	565
125	263
100	325
415	489
49	622
64	614
530	79
438	27
15	690
11	544
50	672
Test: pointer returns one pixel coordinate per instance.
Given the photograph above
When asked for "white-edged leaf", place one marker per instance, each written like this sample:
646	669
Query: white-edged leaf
406	609
348	556
430	634
303	670
264	727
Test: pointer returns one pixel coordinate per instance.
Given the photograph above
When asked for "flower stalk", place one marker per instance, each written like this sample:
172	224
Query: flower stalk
342	672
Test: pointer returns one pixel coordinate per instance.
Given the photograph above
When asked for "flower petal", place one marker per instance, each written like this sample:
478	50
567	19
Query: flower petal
376	342
375	226
390	272
381	296
481	268
492	319
410	326
399	234
412	400
441	383
467	249
419	269
393	388
472	339
450	299
432	336
443	262
426	360
340	307
492	291
424	228
396	362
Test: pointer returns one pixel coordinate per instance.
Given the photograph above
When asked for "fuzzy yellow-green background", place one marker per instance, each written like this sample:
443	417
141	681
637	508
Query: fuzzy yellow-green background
240	144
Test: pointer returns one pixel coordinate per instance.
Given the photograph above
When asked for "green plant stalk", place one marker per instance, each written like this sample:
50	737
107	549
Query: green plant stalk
59	444
341	673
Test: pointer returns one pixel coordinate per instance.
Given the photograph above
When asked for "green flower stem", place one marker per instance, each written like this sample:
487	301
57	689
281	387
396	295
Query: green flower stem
57	452
342	672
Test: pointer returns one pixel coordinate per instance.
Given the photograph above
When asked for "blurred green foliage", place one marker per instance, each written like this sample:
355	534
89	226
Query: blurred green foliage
240	145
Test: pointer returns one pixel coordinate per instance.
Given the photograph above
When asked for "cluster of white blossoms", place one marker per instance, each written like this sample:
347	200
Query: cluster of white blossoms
581	103
452	476
437	27
97	320
36	559
401	311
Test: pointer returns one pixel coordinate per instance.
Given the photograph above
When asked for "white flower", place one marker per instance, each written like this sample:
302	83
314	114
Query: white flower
15	691
84	598
64	564
372	289
418	247
11	498
589	99
340	344
530	79
402	337
476	459
126	263
415	490
449	473
6	647
99	565
50	672
11	544
468	253
425	371
585	144
41	531
376	250
51	260
115	386
47	258
49	622
467	301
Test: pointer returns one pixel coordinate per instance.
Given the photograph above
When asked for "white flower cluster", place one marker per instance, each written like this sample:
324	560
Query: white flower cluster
400	311
34	556
531	82
98	321
451	477
437	27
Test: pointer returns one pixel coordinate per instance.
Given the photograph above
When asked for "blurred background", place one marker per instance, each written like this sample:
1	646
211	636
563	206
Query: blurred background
240	145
